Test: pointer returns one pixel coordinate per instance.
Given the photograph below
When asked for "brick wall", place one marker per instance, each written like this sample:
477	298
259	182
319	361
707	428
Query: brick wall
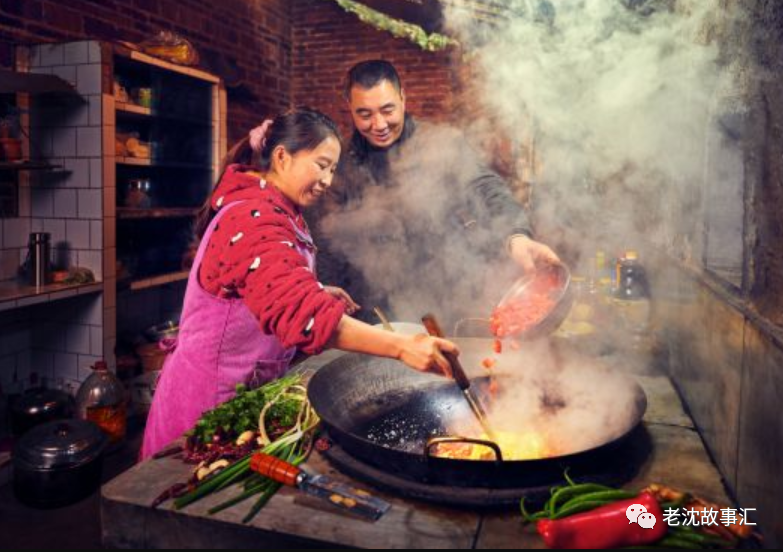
286	52
328	41
254	34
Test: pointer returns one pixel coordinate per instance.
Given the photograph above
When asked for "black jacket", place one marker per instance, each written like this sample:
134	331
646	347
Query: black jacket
418	223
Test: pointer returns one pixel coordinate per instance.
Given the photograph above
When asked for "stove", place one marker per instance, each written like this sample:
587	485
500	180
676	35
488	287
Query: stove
618	466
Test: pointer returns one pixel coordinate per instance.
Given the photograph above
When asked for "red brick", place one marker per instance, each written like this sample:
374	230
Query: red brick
56	15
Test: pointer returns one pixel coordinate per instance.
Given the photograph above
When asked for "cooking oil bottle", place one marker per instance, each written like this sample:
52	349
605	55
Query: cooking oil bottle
101	399
632	296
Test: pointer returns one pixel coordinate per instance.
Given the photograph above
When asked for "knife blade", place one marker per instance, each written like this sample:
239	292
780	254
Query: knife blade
340	495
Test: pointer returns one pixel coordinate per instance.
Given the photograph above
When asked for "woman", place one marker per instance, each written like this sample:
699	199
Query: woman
253	299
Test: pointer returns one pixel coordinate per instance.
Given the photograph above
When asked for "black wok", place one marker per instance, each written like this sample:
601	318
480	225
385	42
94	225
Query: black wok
384	414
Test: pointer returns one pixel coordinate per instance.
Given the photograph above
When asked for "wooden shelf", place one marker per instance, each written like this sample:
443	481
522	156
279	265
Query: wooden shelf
136	161
129	213
140	112
155	281
15	295
140	162
146	59
133	108
12	82
27	166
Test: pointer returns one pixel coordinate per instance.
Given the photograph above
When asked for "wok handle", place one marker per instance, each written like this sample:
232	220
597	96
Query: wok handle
435	441
275	469
433	328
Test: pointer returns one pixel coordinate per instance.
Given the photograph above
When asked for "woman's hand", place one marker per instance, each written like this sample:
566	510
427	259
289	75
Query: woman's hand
424	353
351	307
420	352
529	254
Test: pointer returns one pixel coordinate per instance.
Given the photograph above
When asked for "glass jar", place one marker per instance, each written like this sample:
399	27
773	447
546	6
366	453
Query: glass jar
138	193
101	399
581	318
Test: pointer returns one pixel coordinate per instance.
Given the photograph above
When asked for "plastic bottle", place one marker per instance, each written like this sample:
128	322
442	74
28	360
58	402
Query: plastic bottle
101	399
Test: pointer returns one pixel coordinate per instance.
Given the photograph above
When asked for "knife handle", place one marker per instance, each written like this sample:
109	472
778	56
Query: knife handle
433	328
275	469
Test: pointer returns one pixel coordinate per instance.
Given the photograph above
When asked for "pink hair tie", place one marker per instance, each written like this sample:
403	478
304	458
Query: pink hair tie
258	136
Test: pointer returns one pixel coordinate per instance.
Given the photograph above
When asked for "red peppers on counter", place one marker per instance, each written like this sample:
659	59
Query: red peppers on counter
605	527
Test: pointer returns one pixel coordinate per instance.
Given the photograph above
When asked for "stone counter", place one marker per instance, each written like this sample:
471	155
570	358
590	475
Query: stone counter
291	519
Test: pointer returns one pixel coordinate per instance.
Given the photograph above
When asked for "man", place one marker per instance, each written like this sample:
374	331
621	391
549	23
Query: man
415	221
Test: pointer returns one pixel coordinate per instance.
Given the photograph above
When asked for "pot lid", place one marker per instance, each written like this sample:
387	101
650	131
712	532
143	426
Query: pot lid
61	443
41	401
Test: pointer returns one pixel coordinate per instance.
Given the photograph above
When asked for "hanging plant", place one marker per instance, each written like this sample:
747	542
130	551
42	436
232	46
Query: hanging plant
401	29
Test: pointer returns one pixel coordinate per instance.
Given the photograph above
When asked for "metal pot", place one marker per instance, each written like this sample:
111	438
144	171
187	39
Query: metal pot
38	406
166	330
58	463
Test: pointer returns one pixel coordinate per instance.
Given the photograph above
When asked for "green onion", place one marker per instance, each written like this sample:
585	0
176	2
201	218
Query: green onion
283	401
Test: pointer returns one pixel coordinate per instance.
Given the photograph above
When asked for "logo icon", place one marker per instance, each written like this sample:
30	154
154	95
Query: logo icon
636	513
646	521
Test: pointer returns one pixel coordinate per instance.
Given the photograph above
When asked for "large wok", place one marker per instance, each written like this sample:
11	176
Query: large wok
384	414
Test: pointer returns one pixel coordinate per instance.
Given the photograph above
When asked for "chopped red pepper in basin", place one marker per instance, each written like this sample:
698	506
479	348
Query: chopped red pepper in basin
521	313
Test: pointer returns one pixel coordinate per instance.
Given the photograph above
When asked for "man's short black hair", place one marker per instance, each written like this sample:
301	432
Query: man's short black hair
370	73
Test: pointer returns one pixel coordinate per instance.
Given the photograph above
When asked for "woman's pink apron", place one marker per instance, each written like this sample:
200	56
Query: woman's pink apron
220	345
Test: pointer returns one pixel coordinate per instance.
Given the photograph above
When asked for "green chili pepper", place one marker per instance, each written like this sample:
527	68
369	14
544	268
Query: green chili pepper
580	507
600	496
671	541
567	493
689	533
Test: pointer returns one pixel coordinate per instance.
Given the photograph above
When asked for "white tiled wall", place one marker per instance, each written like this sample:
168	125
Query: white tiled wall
15	347
60	341
70	203
56	341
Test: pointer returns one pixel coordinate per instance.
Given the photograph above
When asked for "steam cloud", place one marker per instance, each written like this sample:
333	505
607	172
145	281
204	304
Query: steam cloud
633	109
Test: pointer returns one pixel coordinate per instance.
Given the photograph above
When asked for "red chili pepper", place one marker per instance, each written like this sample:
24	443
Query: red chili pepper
604	527
497	346
494	387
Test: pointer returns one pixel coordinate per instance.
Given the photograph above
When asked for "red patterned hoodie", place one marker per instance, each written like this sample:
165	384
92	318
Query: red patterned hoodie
251	255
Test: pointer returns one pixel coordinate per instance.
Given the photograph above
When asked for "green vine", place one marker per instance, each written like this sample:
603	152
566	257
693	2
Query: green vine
401	29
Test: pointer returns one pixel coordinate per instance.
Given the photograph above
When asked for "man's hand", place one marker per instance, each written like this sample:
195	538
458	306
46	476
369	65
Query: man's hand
530	254
351	307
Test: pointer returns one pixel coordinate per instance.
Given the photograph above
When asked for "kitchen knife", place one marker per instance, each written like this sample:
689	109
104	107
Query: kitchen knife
343	496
